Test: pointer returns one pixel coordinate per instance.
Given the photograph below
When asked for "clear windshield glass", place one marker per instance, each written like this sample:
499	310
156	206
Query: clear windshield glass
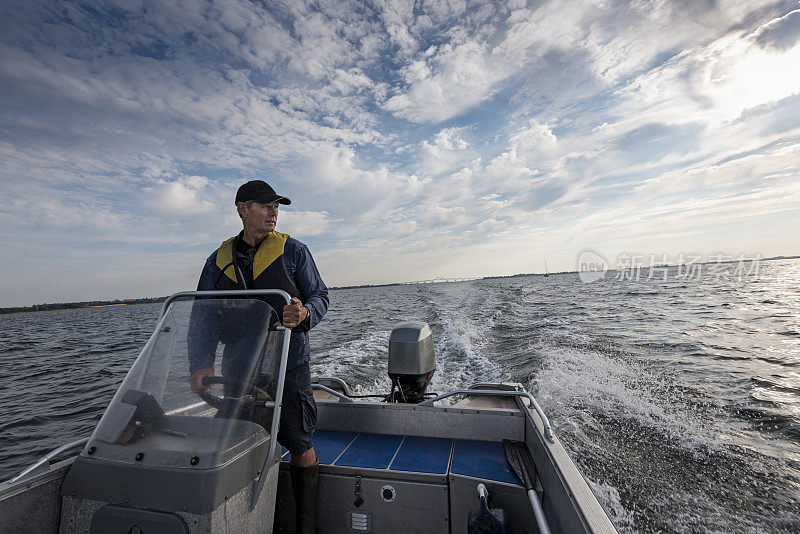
162	417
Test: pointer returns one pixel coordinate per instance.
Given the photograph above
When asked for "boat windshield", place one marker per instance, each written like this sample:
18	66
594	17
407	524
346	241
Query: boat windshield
200	389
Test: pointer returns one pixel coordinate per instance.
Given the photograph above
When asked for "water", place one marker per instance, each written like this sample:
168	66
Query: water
678	400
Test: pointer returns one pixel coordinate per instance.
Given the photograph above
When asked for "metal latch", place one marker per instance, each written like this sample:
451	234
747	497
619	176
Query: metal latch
359	500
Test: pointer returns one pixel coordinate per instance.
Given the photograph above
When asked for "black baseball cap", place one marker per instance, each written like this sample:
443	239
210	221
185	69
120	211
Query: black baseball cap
261	192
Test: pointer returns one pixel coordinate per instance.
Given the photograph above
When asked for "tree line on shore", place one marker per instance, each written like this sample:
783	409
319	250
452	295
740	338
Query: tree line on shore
118	302
75	305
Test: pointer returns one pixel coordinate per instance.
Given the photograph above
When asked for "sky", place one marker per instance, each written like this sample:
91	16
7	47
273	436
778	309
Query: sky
415	139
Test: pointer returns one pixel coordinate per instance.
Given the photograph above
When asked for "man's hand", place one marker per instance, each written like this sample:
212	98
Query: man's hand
294	313
196	380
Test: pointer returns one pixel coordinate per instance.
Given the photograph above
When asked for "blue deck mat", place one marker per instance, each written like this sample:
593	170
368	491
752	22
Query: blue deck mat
373	451
482	459
329	445
423	455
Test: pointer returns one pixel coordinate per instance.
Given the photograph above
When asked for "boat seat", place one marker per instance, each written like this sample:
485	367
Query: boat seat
423	455
415	454
482	459
488	402
371	451
328	445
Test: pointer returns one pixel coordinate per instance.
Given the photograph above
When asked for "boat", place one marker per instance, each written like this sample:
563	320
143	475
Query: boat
165	459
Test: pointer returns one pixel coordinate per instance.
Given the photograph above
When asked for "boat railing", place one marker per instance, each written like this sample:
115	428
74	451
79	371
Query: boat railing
548	431
43	464
333	392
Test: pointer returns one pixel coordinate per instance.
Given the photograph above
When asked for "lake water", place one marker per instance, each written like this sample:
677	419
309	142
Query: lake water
678	399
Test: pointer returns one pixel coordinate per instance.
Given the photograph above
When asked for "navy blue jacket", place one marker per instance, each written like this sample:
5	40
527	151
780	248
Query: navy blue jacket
313	293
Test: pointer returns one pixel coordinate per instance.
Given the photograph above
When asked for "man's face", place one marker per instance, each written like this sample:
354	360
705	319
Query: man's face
259	218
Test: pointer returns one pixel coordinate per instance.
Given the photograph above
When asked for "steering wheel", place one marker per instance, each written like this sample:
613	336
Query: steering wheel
216	401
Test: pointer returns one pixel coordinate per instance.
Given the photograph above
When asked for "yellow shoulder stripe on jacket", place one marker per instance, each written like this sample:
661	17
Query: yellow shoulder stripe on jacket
270	250
225	257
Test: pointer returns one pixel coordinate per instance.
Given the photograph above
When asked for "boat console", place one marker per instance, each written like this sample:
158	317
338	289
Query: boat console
191	456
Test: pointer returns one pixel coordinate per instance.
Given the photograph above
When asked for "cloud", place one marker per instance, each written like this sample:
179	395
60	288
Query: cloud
304	223
781	34
430	125
537	140
718	82
181	197
762	169
455	78
599	44
447	139
446	150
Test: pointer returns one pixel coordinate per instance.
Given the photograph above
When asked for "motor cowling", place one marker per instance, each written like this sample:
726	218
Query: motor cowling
411	361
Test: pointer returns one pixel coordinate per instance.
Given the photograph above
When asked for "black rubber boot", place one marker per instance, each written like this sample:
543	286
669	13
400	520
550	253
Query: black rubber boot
304	488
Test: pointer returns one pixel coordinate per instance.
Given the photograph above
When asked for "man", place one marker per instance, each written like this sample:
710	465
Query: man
261	258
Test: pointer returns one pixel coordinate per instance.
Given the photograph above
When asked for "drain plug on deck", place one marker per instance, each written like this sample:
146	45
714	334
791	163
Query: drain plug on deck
387	493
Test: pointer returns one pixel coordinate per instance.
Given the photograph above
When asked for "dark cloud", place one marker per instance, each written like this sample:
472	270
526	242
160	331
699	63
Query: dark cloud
780	34
774	118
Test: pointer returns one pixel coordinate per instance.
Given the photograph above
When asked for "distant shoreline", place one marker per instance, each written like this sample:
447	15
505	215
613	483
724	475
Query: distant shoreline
130	302
77	305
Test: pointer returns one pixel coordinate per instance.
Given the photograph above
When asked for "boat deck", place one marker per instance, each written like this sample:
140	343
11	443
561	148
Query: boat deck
413	454
408	483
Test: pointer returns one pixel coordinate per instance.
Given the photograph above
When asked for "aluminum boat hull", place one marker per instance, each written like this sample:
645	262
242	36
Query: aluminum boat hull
432	498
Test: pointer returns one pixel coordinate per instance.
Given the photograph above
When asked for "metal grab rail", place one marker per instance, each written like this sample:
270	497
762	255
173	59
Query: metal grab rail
548	431
333	392
45	460
223	293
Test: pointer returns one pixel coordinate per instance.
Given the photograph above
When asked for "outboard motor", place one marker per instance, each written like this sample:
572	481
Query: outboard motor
411	361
